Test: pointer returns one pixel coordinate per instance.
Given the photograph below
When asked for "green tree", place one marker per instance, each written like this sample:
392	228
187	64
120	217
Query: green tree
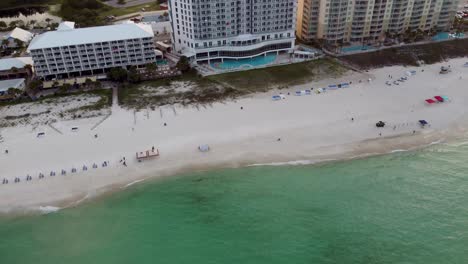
19	43
28	67
14	69
133	75
3	24
5	42
48	20
97	84
32	22
117	74
183	64
121	2
14	91
65	87
35	84
151	67
88	82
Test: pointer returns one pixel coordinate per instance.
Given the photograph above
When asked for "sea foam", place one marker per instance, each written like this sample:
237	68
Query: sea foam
49	209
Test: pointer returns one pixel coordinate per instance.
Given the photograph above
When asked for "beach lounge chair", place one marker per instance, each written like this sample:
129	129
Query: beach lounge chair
439	99
430	101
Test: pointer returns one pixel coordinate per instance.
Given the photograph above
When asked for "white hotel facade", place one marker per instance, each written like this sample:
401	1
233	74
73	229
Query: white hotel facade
69	52
206	30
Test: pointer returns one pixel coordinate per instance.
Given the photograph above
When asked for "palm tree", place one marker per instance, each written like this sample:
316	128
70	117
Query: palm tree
48	21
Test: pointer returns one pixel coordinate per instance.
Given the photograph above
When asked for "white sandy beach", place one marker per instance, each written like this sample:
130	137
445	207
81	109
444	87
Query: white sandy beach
312	128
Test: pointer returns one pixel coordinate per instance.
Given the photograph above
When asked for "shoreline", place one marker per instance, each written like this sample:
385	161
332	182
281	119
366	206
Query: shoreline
106	191
313	129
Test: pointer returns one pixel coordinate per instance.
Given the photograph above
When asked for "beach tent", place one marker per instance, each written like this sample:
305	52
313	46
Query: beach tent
303	92
445	98
282	96
439	99
276	97
344	85
332	86
321	90
423	122
430	101
204	148
411	73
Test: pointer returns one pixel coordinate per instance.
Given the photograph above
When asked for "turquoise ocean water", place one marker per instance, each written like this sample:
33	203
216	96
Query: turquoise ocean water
409	207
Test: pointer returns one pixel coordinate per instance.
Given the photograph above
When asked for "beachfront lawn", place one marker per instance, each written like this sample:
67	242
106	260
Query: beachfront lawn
121	11
60	106
191	88
261	80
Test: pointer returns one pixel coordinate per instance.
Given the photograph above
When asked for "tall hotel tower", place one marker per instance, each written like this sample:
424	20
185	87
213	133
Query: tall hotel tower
205	30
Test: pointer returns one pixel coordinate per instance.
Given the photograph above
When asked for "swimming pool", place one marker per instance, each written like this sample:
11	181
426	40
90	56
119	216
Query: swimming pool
446	35
161	62
356	48
229	64
441	36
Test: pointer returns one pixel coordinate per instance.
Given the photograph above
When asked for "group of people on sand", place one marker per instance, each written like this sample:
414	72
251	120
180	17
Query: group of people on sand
123	162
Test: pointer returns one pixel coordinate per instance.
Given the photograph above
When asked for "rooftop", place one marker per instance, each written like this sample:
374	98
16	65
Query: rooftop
18	62
67	35
13	83
21	34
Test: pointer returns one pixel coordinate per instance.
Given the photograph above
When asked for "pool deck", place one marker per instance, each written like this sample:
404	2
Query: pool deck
282	59
331	53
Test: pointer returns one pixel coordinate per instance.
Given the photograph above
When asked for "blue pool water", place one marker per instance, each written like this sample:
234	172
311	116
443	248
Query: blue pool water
441	36
161	62
245	63
356	48
445	35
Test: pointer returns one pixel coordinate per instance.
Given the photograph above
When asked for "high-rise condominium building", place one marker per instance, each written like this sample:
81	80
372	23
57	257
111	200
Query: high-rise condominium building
69	52
338	21
217	29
